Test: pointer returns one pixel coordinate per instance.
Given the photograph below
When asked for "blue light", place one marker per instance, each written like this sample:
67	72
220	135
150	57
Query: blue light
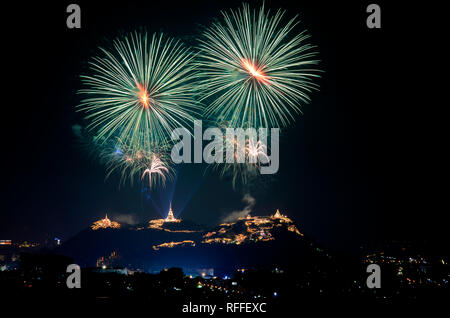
118	152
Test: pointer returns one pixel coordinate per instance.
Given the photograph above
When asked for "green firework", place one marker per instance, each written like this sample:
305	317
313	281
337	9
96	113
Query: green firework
152	167
255	71
140	90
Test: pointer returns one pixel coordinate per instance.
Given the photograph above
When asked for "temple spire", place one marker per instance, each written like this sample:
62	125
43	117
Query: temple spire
170	217
277	214
105	223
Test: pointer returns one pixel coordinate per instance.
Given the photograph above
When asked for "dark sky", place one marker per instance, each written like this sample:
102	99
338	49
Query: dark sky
357	166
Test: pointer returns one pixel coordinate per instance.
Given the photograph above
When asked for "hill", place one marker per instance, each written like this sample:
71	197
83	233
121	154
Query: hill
258	241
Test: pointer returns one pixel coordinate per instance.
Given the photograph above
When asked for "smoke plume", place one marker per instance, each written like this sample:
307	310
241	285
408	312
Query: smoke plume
249	204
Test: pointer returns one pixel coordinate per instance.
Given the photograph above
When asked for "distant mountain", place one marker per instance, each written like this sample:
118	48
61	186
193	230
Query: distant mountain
245	243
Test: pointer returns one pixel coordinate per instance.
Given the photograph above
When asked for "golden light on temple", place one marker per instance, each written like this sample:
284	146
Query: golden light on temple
143	96
159	223
170	217
105	223
173	244
281	217
254	71
258	228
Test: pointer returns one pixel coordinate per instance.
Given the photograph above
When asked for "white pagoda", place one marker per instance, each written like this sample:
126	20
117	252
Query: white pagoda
105	223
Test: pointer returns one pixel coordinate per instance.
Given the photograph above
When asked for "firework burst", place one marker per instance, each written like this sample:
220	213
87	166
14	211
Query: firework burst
247	158
157	167
254	155
255	73
140	90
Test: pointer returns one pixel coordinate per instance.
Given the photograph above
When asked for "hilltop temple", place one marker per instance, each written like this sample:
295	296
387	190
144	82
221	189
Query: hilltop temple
277	214
105	223
281	217
158	223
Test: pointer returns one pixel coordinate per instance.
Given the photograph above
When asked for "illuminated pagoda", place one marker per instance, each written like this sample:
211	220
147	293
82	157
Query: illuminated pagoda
281	217
105	223
158	223
170	217
277	215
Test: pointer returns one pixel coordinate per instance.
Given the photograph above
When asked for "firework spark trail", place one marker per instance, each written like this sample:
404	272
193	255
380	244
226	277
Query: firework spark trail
156	167
135	95
132	161
252	153
254	71
256	152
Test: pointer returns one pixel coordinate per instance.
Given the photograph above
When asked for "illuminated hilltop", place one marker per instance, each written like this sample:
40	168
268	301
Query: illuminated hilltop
256	228
158	223
105	223
171	241
244	230
170	217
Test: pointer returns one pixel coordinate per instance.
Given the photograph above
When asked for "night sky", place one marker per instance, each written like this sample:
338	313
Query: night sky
355	167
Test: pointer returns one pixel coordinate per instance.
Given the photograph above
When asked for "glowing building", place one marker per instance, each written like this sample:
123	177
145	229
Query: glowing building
170	217
105	223
158	223
258	228
282	218
277	214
